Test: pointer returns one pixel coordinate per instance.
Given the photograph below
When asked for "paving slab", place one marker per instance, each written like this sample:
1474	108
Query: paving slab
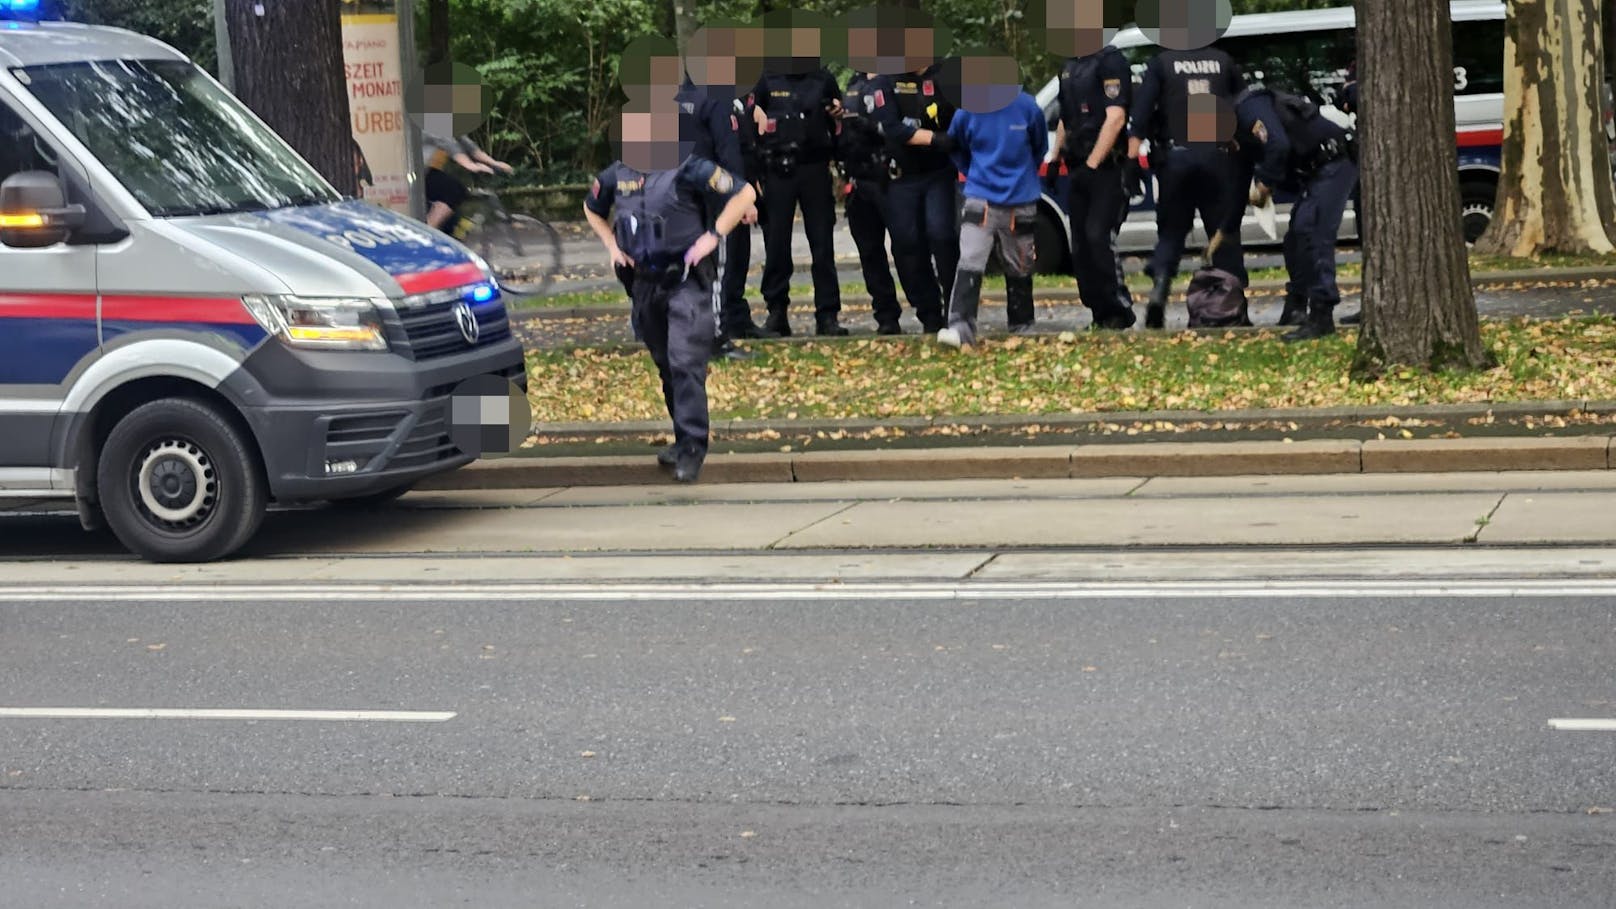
685	527
1468	562
606	471
1491	454
1553	517
474	498
1109	487
1357	484
1285	520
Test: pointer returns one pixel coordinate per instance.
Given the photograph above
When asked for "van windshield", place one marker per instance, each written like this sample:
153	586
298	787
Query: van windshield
175	139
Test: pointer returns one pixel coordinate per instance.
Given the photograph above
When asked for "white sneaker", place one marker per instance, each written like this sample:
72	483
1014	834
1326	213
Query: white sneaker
948	337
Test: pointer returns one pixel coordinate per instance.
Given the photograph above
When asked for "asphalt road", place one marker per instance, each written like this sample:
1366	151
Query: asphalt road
772	749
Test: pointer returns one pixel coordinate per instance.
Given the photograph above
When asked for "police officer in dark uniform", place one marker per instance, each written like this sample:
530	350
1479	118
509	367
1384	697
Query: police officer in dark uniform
1184	107
1094	93
1293	147
923	197
661	241
861	155
709	119
796	99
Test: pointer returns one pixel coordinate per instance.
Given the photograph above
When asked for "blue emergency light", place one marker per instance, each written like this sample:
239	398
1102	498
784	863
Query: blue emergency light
26	10
481	294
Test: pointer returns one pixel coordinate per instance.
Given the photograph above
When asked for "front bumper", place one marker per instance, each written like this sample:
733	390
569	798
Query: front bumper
331	432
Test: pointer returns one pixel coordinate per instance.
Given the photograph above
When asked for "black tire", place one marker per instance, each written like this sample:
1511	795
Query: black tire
1476	201
196	467
1049	247
524	252
374	499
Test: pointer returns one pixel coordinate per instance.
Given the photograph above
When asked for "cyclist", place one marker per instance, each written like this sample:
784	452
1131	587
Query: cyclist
444	193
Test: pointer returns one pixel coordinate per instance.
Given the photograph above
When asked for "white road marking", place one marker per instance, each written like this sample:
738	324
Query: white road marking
167	713
748	592
1583	725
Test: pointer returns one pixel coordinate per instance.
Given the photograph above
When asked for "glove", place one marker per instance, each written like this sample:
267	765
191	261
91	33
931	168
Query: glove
1259	195
943	142
1133	178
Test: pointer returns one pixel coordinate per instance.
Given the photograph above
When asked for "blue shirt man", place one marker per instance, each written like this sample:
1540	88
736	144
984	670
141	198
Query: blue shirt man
998	145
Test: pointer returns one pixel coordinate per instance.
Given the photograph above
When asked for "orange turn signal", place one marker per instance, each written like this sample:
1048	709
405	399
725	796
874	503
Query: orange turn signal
22	221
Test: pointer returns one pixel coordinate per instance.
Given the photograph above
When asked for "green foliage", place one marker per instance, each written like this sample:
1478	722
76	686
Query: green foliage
187	25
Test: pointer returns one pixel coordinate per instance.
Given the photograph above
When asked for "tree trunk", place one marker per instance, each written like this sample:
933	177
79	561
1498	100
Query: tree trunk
1554	191
685	23
288	69
1418	307
437	31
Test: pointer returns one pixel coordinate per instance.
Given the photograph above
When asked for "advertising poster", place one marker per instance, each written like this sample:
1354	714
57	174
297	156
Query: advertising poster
371	53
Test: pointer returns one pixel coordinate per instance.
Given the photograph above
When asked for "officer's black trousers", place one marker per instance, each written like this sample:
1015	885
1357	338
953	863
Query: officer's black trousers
1195	180
923	218
808	186
1311	237
677	326
867	220
735	259
1097	206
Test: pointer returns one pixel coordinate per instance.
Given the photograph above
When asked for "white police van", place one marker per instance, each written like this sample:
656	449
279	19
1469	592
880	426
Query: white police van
193	323
1308	52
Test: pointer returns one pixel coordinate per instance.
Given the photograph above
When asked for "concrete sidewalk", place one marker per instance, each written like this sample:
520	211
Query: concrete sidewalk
938	528
1152	459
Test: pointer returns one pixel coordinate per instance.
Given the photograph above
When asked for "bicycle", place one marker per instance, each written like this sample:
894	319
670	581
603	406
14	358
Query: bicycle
524	252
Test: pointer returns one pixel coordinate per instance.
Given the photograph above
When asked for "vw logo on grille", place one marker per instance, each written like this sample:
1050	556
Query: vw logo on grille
467	321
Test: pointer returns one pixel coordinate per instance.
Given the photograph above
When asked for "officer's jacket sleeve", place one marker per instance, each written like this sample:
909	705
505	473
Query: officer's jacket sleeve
1237	79
1069	102
1349	99
828	91
708	177
1262	139
886	113
603	192
724	127
1116	80
959	129
1144	101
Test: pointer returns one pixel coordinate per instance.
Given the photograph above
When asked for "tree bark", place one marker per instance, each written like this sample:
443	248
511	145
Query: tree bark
1418	306
437	31
288	69
1554	191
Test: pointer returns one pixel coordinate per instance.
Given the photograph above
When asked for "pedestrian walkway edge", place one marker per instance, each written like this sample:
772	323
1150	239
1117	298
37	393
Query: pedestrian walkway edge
1177	459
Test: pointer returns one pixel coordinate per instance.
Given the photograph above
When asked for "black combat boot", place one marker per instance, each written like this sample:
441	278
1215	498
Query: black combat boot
829	327
1320	323
1352	318
778	324
1295	311
687	463
1156	306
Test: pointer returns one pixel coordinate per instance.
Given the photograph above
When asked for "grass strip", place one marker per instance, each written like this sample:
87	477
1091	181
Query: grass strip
1568	359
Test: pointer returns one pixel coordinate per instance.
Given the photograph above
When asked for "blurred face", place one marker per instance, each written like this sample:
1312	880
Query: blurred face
988	82
1210	119
1184	24
649	140
452	101
1075	28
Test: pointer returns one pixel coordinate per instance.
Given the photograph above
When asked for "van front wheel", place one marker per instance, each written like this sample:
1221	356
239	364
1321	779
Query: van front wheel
179	482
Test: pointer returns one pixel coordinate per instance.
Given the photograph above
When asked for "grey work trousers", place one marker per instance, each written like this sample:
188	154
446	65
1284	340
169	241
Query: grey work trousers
984	226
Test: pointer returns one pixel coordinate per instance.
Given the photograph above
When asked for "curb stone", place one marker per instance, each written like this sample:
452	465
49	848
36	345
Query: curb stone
1114	460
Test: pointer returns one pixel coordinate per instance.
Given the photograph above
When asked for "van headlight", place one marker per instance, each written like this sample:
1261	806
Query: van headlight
319	323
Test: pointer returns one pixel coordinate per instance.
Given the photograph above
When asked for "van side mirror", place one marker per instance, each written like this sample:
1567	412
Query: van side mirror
34	212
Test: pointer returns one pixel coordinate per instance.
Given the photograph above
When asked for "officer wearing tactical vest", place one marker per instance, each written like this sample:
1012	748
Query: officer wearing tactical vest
862	157
922	206
1294	148
794	103
1095	89
1183	106
660	239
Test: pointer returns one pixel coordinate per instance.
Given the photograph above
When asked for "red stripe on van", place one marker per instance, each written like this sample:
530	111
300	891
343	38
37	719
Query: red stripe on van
210	310
441	279
1473	138
47	306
